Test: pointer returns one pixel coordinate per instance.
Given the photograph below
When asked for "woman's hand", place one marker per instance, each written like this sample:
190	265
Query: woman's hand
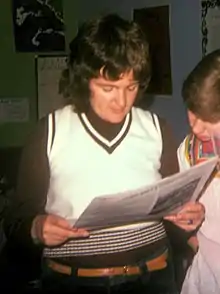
52	230
189	217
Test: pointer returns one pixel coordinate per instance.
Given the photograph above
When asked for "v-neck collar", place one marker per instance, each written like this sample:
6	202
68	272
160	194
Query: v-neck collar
107	135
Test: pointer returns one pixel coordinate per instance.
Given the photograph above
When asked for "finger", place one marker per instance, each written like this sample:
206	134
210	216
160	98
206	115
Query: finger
170	217
53	240
60	227
79	233
185	226
194	211
189	224
193	207
190	216
68	233
59	221
55	230
68	228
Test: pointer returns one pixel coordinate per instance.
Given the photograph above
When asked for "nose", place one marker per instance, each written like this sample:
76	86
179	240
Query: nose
198	127
121	100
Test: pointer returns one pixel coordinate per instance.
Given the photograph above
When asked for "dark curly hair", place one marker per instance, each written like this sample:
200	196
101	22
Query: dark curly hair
109	43
201	89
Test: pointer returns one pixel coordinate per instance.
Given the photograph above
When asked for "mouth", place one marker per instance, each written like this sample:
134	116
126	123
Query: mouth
203	138
119	110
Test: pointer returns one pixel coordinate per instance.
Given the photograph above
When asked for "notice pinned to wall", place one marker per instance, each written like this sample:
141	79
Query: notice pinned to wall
49	70
210	25
14	110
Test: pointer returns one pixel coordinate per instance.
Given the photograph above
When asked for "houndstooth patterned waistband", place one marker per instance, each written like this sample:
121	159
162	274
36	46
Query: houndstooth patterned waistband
105	242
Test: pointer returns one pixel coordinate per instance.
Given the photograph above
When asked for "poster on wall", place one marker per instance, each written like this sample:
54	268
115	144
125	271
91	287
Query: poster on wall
38	25
49	70
210	25
155	23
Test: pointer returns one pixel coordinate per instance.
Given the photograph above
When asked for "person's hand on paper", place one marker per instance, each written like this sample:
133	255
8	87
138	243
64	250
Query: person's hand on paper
54	230
189	217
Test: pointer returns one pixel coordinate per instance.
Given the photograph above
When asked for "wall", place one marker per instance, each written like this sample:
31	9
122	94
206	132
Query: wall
17	75
17	72
185	47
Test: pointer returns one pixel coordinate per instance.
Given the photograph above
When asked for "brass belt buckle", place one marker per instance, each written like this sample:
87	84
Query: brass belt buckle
125	269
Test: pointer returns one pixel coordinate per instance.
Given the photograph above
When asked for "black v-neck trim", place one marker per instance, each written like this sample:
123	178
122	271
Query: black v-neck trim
108	145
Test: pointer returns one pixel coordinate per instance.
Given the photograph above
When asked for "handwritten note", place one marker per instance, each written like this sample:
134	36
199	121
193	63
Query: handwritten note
14	110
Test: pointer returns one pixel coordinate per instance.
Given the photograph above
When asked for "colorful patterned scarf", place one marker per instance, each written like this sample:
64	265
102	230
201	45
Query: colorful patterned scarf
198	151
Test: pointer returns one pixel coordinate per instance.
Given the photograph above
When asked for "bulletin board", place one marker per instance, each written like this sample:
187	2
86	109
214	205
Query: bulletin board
48	73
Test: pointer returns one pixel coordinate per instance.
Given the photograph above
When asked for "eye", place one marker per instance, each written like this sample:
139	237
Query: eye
107	88
132	87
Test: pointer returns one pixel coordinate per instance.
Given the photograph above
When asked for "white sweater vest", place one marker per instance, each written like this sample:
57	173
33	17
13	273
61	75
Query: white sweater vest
82	169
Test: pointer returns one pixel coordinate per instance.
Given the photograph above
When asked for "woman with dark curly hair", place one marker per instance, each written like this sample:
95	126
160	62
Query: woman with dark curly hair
98	144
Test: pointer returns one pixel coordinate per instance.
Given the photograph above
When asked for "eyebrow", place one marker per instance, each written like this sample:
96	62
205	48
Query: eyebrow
108	84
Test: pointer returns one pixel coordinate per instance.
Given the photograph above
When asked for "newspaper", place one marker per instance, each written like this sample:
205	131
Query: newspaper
148	203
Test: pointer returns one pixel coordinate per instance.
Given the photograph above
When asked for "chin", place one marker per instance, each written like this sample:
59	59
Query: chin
204	138
116	119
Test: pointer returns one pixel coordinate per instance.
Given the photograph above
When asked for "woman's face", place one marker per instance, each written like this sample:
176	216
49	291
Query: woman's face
204	130
112	100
